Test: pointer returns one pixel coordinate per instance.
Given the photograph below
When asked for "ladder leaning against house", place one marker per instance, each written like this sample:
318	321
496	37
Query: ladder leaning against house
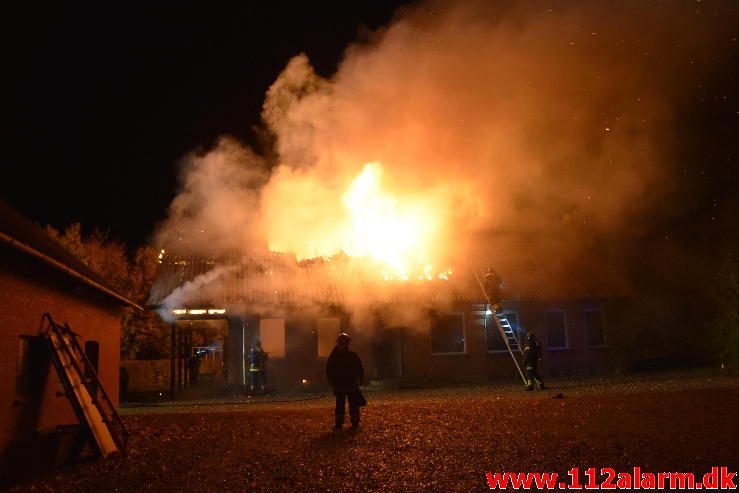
96	413
504	327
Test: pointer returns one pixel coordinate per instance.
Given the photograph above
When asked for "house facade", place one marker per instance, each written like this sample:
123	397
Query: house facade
406	331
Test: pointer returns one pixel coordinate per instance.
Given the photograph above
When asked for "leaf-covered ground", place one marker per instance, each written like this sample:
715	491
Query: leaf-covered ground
421	440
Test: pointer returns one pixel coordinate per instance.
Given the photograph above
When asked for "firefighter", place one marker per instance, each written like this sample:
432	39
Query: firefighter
257	374
491	284
345	373
194	367
531	357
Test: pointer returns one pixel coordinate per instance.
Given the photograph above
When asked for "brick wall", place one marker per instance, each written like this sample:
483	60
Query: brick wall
147	375
28	289
576	359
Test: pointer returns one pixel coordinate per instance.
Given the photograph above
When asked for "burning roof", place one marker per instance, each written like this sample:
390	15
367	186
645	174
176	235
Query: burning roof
281	280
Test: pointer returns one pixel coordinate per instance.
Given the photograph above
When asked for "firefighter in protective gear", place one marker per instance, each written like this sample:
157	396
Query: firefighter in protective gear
531	357
257	375
344	372
491	284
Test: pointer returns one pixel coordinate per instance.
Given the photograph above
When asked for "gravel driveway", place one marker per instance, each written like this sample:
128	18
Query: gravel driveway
420	440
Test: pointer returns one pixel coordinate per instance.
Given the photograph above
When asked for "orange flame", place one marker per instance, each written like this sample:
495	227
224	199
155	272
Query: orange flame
395	233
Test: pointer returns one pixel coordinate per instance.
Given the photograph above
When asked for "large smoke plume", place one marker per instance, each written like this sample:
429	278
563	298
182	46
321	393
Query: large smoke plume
552	119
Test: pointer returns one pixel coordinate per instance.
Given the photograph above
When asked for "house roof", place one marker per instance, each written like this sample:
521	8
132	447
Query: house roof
20	233
189	281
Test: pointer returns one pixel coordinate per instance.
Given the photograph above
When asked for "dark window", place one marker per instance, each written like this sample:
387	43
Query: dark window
492	335
92	351
32	363
22	371
556	330
594	329
447	333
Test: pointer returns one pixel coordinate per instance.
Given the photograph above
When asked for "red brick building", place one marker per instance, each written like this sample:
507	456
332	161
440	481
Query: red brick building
38	276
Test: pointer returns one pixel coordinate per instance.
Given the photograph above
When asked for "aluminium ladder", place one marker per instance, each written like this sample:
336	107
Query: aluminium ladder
81	385
504	327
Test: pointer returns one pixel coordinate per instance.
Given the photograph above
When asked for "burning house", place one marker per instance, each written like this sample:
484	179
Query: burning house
425	136
382	263
426	327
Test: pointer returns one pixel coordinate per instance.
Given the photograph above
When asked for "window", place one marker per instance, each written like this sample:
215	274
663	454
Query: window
326	330
556	329
594	328
447	333
92	351
22	371
494	340
272	336
32	360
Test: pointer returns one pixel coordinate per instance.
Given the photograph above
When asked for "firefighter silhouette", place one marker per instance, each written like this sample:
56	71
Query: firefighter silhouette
531	357
194	367
491	284
344	372
257	374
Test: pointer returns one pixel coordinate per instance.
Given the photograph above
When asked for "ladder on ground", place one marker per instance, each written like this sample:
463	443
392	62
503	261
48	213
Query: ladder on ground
504	327
94	410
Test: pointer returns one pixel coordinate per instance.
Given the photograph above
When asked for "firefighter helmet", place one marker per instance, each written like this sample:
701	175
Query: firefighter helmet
343	337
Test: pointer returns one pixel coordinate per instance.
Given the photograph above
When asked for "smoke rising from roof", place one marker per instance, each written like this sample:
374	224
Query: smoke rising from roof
547	118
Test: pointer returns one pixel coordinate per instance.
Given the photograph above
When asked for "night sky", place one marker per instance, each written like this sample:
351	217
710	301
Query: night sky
105	99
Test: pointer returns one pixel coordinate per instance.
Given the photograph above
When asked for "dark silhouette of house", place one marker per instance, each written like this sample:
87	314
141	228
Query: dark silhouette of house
415	330
38	276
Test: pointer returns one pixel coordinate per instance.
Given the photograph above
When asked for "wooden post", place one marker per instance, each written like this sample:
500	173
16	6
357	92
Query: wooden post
188	357
188	353
172	356
179	359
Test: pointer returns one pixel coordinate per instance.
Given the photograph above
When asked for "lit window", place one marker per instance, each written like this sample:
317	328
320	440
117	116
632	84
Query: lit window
198	311
494	340
447	333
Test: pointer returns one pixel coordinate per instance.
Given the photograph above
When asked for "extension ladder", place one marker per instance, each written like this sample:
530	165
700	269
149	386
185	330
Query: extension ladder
81	385
504	327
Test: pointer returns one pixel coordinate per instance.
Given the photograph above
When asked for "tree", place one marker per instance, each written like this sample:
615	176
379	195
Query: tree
104	256
142	334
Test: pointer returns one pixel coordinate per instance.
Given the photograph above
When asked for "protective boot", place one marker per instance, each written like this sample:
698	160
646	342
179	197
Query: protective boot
355	419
